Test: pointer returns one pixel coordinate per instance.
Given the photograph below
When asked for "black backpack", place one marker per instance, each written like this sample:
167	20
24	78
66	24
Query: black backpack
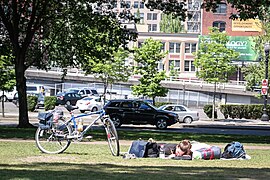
151	150
233	150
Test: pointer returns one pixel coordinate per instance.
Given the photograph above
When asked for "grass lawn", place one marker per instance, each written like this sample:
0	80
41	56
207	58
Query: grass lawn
20	159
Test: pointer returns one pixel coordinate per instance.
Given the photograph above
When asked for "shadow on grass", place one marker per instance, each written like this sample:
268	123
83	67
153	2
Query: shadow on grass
112	171
99	135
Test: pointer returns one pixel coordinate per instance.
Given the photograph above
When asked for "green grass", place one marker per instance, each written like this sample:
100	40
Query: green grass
21	159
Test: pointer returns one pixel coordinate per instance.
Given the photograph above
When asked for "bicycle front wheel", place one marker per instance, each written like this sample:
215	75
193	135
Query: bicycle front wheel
112	137
53	141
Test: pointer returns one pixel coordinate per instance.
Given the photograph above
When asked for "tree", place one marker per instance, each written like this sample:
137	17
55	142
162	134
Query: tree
147	58
254	73
170	24
173	72
213	59
7	76
113	70
51	33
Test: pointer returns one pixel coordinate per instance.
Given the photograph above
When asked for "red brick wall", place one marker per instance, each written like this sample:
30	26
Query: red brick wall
208	18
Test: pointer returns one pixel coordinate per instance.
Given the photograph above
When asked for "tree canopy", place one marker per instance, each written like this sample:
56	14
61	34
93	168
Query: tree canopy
213	59
147	58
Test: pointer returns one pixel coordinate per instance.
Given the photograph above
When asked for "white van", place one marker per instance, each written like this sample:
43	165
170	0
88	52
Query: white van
35	88
8	96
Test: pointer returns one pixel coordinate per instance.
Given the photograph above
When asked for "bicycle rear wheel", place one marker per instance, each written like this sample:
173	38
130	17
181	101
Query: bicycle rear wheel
54	140
112	137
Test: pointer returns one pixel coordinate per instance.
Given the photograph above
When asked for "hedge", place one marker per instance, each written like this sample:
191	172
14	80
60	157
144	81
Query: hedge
251	111
49	102
31	103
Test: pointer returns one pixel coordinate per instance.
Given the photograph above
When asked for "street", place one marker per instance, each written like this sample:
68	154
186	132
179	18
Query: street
203	126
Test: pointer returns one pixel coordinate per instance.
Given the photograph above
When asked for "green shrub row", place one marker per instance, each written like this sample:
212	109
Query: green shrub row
31	103
208	110
49	102
250	111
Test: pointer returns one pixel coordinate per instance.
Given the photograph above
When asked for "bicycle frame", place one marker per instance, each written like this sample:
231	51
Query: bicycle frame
74	117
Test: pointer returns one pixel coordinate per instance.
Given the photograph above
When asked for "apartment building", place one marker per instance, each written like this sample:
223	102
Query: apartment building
180	46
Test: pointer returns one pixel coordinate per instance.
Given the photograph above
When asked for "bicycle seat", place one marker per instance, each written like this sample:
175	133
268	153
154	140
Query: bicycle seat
71	108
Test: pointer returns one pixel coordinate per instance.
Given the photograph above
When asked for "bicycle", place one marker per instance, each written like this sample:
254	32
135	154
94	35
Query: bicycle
54	135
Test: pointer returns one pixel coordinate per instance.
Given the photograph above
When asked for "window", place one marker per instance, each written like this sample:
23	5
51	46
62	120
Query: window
179	108
190	47
141	5
189	66
136	4
221	25
127	104
175	64
163	46
151	16
160	65
141	17
152	27
125	4
221	8
174	47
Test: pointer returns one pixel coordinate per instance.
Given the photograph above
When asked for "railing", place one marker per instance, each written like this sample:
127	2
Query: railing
231	84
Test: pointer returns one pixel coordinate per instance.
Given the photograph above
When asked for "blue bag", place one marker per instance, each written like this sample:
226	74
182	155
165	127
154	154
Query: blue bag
138	148
234	150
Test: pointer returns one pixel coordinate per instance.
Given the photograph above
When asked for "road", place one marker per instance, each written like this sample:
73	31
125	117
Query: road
204	126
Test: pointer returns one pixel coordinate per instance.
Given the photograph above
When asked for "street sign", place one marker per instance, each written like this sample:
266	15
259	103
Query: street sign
265	83
264	91
264	87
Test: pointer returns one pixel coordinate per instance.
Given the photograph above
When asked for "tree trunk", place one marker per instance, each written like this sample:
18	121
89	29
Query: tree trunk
21	88
3	106
214	102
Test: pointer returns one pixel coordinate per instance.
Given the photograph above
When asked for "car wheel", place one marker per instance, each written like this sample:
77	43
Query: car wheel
68	103
188	120
94	109
82	111
161	123
116	121
3	98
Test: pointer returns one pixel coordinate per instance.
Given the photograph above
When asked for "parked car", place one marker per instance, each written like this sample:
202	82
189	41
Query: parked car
69	98
185	115
128	111
40	100
7	96
89	104
84	91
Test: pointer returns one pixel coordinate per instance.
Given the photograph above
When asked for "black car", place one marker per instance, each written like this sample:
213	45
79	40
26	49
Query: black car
138	112
68	98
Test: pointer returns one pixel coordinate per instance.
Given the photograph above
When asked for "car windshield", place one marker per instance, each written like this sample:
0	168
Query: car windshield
162	107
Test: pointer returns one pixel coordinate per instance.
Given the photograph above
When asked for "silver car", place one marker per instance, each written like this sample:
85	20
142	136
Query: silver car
185	115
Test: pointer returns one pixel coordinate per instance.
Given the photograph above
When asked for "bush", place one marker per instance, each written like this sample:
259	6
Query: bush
208	109
31	103
49	102
251	111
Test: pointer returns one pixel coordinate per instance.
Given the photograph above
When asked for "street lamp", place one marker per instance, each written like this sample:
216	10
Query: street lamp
265	116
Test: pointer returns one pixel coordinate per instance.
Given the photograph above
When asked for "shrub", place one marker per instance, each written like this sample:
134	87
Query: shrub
251	111
208	109
31	103
49	102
